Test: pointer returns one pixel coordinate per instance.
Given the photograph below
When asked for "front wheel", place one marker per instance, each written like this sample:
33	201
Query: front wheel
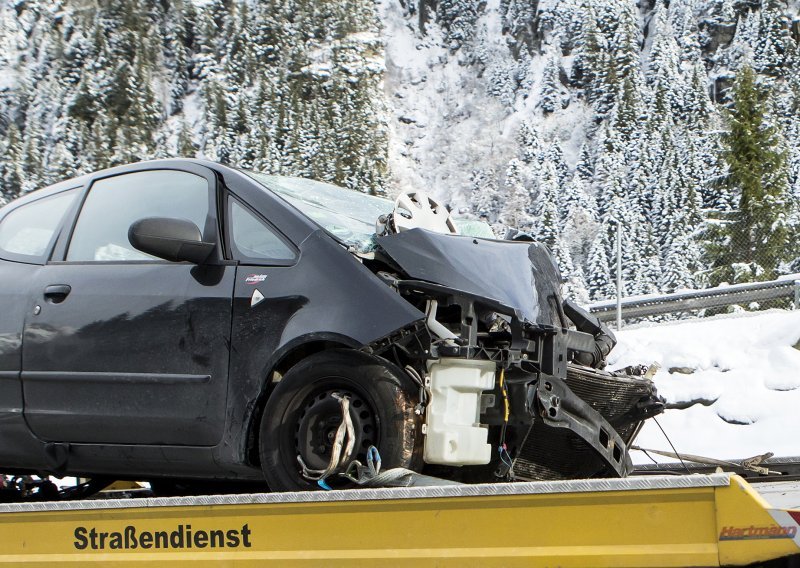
303	413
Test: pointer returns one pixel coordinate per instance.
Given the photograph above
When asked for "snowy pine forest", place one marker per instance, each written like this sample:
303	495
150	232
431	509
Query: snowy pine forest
675	122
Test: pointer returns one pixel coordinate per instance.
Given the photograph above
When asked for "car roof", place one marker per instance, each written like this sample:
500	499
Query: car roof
80	181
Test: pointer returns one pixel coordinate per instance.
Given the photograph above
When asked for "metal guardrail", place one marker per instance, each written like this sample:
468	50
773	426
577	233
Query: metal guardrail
643	306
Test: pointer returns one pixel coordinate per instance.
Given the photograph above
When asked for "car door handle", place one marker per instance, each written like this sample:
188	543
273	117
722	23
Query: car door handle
57	293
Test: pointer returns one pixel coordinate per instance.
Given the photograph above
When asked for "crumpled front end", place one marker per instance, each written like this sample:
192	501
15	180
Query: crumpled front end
499	345
588	433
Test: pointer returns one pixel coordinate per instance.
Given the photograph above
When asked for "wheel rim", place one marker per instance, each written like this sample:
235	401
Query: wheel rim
320	417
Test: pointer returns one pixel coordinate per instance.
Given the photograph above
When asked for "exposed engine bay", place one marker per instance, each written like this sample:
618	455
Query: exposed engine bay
511	376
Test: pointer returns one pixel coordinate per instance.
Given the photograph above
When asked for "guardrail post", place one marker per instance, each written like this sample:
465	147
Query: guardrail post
796	294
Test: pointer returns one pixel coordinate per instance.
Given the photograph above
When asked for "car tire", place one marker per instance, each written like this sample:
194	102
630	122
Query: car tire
302	413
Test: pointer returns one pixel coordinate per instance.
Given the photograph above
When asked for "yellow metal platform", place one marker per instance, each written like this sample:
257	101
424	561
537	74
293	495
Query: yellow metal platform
698	520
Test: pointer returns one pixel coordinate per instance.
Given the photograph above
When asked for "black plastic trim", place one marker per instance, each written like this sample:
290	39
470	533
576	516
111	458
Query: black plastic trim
140	378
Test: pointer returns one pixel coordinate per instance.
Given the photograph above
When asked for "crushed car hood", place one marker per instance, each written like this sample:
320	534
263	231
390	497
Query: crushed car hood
520	275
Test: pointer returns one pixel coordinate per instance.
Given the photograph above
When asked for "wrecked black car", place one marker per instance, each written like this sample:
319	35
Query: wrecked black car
179	319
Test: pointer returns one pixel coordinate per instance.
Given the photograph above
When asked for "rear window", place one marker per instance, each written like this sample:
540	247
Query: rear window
27	232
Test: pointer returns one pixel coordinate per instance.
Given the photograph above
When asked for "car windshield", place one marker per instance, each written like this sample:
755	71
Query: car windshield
349	215
346	214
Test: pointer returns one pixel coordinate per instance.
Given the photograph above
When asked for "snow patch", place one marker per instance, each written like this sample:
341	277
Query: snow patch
745	388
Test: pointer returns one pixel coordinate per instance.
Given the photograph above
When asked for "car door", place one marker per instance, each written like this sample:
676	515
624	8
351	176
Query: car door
123	348
27	233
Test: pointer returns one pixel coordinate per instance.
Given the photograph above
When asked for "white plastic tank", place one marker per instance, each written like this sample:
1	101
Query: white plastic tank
454	435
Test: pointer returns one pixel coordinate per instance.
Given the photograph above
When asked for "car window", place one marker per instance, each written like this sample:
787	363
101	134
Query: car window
252	238
473	228
115	203
27	231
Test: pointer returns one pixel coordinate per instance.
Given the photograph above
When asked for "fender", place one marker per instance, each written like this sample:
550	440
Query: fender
310	303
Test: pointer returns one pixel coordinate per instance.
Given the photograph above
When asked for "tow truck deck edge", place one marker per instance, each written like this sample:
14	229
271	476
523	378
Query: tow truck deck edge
714	519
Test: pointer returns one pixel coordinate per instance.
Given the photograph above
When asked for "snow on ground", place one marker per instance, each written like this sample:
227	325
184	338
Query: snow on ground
744	393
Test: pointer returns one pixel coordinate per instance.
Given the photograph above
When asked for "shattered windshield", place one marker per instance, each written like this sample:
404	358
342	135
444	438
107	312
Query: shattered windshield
346	214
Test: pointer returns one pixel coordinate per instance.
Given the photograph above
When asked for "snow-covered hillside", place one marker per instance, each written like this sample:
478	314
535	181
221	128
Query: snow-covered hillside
677	120
738	377
567	118
457	112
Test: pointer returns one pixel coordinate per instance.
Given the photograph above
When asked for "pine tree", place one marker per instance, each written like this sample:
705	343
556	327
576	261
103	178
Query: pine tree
573	196
11	161
599	280
724	12
547	227
530	148
742	50
458	18
643	168
585	167
184	145
626	113
485	197
663	66
610	184
555	155
677	273
65	159
696	106
757	173
206	60
626	42
176	56
31	159
647	276
591	55
238	61
688	40
774	47
216	123
577	211
502	81
144	114
549	91
563	258
515	213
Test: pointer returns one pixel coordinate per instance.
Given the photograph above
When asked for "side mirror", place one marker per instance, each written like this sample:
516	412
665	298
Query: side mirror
171	239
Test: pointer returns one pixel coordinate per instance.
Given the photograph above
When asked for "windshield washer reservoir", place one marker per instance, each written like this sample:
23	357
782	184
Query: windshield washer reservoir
454	433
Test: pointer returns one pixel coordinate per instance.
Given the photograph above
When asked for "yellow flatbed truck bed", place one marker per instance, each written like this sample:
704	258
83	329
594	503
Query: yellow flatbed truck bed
692	520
